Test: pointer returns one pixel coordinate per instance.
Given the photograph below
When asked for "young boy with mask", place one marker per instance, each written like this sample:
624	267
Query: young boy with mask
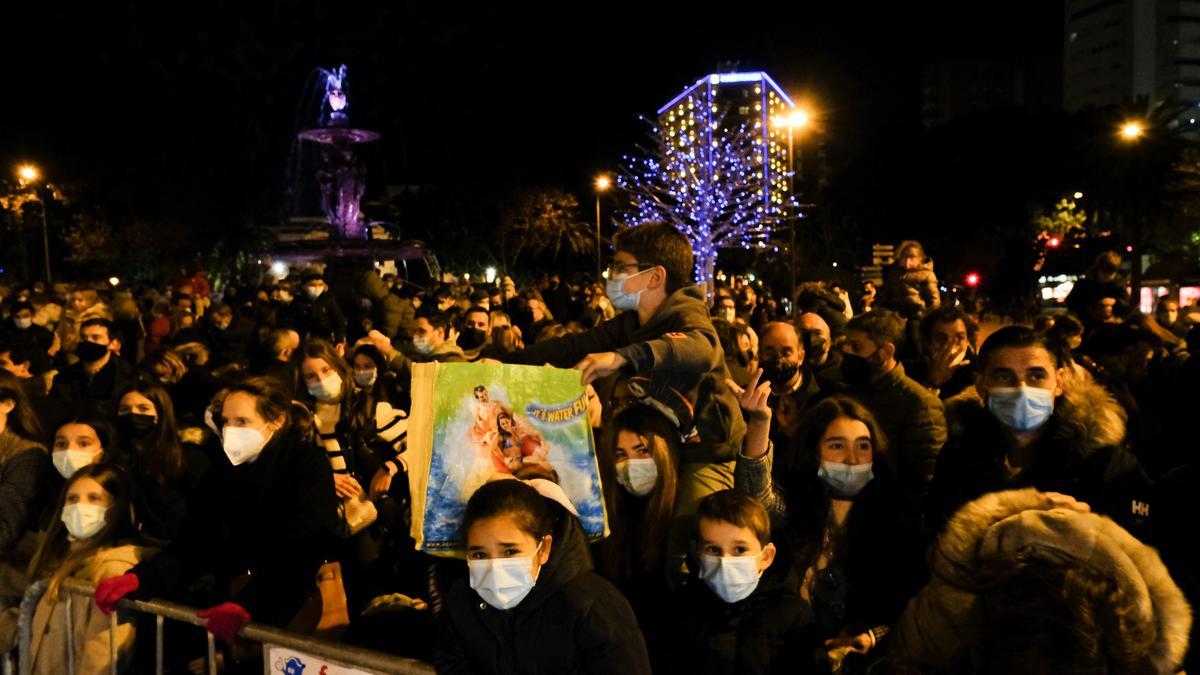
742	615
1024	429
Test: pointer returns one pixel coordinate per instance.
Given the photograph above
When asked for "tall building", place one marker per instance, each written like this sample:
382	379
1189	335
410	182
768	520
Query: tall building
1116	50
752	99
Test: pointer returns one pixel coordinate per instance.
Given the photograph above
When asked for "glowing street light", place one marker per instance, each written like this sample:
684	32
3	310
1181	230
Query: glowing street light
114	281
1132	130
1078	195
490	274
27	173
602	184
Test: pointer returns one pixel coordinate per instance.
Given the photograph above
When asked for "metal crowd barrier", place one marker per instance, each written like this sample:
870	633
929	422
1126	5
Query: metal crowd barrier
345	656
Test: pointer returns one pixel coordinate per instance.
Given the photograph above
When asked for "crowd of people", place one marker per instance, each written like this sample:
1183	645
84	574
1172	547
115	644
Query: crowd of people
857	484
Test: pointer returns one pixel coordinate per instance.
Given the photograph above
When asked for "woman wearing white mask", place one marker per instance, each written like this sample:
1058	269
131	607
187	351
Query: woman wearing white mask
266	508
92	538
1027	423
846	528
639	458
530	581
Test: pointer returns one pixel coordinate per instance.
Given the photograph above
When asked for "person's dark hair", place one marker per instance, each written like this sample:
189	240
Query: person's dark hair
820	416
509	498
272	401
948	314
21	420
100	321
661	439
438	320
738	509
160	454
277	339
882	326
21	306
372	353
1058	337
1058	616
659	244
98	423
54	557
1015	337
1108	262
476	309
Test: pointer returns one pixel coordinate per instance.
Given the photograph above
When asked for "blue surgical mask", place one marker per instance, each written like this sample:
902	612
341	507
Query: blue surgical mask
615	290
845	481
1022	409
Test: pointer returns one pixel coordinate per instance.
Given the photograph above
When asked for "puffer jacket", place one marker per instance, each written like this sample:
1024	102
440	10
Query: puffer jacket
942	626
573	621
910	291
1079	454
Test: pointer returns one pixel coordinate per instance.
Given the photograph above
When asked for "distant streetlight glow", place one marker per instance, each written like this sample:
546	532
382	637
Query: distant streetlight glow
1053	242
279	269
28	173
114	281
490	274
1078	195
795	120
602	183
1132	130
972	279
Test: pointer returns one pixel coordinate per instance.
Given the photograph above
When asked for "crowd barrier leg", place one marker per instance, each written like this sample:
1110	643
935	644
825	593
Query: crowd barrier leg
158	644
29	604
69	606
6	664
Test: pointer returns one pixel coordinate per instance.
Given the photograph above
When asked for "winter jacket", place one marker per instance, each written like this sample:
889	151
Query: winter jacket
98	391
23	467
273	517
231	345
912	419
1078	454
573	621
1091	288
401	363
943	624
89	626
767	632
910	292
677	348
387	311
321	318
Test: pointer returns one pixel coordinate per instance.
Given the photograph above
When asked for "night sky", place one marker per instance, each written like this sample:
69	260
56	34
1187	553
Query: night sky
171	113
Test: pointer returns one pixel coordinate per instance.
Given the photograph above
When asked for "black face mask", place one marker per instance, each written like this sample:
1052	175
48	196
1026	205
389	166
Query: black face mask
779	373
471	338
136	426
90	351
856	370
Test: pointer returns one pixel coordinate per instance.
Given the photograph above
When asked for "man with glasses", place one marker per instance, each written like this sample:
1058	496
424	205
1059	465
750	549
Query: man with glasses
663	332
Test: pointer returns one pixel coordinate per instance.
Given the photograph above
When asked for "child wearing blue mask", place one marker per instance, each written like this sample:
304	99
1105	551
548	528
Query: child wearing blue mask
1025	426
742	613
532	603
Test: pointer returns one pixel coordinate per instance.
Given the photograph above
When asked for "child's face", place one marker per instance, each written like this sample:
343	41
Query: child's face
501	537
719	538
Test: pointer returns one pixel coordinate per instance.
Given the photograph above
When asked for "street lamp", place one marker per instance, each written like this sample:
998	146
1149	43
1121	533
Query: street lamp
602	184
1132	130
797	120
26	175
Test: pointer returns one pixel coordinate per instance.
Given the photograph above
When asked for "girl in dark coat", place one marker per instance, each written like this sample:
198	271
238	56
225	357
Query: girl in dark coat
533	604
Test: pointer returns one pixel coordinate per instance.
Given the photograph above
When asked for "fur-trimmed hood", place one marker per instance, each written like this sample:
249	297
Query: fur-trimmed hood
941	623
1087	414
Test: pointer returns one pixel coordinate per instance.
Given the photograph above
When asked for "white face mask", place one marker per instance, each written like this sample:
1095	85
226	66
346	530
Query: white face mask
327	389
22	323
503	582
69	461
242	444
421	346
732	578
83	520
638	476
314	292
727	313
615	290
365	378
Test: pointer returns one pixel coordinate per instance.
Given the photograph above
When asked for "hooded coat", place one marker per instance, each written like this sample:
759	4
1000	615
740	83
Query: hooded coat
573	621
1078	454
677	348
387	310
944	623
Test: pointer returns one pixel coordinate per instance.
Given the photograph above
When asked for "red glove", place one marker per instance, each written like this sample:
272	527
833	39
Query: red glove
110	591
225	620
